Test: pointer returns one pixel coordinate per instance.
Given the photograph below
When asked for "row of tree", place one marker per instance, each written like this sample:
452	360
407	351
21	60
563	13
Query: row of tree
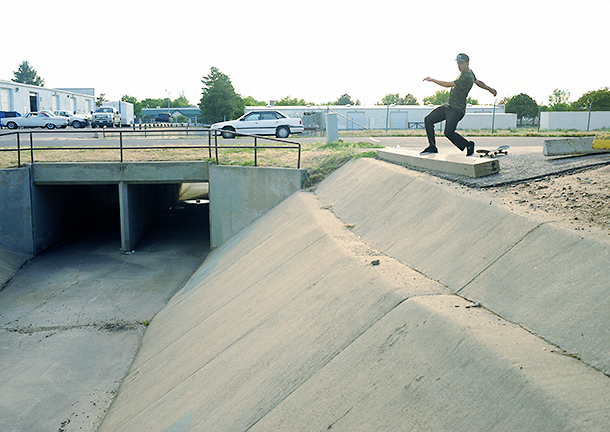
219	101
526	107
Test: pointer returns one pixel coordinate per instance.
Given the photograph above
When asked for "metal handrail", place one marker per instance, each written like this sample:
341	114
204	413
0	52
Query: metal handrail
121	148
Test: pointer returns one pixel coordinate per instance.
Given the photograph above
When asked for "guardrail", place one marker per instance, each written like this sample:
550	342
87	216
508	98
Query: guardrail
212	144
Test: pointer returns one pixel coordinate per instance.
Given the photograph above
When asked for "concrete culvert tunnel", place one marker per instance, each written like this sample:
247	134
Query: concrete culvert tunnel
94	211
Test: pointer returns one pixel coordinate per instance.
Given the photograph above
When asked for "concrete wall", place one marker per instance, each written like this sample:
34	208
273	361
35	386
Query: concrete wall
16	210
485	121
574	120
141	207
16	240
240	195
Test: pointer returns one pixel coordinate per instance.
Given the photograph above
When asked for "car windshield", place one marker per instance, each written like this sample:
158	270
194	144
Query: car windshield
105	110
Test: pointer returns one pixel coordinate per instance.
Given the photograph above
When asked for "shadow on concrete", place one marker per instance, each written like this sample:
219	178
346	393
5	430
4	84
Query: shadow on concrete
72	319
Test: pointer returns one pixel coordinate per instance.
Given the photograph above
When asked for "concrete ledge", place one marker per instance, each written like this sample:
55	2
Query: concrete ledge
602	141
570	147
447	163
115	172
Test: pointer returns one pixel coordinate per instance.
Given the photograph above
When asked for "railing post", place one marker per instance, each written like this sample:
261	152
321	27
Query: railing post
209	144
216	146
31	148
121	144
18	151
255	153
299	160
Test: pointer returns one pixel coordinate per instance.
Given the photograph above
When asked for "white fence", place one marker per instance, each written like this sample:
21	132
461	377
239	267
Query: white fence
579	120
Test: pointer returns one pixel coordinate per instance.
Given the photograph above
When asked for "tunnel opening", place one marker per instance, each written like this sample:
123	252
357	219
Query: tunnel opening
91	213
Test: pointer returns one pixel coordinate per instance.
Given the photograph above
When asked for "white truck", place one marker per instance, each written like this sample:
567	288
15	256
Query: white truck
125	109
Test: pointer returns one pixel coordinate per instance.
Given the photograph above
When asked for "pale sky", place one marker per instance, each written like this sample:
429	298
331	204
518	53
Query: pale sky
315	50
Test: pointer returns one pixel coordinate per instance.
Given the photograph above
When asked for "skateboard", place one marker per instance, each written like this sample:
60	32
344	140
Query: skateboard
500	151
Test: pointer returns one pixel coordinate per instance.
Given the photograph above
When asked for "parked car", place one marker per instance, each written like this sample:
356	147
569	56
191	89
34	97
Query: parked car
74	120
163	118
106	116
8	114
264	122
35	119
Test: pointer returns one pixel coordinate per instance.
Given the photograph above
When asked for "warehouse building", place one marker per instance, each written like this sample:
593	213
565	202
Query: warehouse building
25	98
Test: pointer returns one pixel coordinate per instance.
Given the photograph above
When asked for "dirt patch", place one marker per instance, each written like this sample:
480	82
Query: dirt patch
581	201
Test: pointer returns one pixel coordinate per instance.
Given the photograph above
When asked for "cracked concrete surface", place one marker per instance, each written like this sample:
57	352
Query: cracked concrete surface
72	319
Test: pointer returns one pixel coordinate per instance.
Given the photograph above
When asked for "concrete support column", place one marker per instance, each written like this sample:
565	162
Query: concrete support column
124	201
140	207
332	128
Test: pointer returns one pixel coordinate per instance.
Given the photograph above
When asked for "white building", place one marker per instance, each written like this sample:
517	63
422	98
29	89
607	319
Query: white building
25	98
394	116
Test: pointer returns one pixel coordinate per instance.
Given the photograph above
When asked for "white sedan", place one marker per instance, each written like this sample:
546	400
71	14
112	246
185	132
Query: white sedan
35	119
264	122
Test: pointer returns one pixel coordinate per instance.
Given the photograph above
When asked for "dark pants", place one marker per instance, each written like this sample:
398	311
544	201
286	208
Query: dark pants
452	117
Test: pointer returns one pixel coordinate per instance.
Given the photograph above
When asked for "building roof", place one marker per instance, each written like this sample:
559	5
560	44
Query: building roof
187	111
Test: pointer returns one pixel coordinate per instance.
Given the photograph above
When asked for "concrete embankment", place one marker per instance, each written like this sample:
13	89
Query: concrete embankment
10	262
338	310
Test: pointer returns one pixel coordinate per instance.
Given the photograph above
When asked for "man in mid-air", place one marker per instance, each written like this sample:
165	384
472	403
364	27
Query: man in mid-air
454	110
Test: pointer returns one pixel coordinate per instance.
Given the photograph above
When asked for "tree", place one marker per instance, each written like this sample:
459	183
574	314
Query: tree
26	74
249	101
180	101
559	100
442	96
100	100
522	105
289	101
410	100
394	98
219	100
598	100
153	103
137	106
345	100
438	98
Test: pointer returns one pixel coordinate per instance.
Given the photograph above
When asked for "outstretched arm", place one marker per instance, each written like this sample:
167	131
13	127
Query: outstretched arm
486	87
441	83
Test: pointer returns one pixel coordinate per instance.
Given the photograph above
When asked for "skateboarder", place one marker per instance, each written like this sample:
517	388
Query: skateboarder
454	110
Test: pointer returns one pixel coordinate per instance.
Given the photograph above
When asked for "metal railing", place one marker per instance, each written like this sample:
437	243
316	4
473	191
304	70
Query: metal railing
119	134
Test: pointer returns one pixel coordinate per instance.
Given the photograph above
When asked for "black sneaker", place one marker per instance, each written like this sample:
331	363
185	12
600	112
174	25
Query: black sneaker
429	150
470	148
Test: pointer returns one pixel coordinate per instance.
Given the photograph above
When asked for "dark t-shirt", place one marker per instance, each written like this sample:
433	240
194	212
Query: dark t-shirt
459	93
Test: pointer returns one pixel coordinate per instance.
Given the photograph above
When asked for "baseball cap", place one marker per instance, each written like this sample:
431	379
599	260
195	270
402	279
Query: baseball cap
462	58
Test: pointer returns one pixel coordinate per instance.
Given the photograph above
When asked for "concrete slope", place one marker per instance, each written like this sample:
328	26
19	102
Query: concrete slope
10	262
289	326
548	280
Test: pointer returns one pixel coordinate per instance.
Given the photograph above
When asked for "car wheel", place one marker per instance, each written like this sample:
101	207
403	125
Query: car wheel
226	134
282	132
11	125
50	126
76	124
